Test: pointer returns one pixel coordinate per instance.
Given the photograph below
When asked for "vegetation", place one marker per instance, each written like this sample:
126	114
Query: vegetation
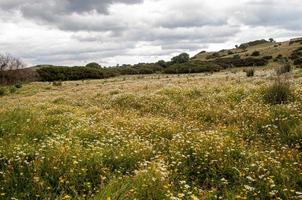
278	93
182	58
250	72
256	53
54	73
238	62
285	68
192	67
153	137
253	43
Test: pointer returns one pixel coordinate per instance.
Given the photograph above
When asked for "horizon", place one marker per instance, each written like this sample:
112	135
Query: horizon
138	31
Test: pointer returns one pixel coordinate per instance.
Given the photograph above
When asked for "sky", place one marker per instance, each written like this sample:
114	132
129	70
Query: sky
110	32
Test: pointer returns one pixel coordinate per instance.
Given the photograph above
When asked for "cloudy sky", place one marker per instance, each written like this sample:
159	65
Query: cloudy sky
75	32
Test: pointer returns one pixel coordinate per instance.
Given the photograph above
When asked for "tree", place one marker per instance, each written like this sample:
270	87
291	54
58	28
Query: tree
162	63
9	66
94	65
271	40
181	58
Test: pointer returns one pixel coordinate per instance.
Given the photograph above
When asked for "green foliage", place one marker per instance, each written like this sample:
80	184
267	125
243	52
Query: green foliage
253	43
12	89
297	57
2	91
267	57
192	67
255	53
278	93
94	65
181	58
187	137
237	62
18	85
54	73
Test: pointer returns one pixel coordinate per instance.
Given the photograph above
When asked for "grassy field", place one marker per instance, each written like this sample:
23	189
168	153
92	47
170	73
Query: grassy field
152	137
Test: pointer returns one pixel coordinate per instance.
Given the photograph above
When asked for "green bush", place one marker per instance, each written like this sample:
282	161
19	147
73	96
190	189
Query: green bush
181	58
278	93
2	91
18	85
255	53
238	62
267	57
12	89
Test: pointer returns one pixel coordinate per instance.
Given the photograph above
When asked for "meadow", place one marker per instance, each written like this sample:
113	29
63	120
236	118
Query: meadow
202	136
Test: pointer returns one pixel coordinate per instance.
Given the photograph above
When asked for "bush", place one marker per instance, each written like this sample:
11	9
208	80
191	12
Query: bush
181	58
18	85
298	62
286	68
255	53
250	72
12	89
277	93
57	83
56	73
267	57
238	62
94	65
2	91
192	67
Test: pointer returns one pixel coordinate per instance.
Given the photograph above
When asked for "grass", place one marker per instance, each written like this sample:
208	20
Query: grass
156	137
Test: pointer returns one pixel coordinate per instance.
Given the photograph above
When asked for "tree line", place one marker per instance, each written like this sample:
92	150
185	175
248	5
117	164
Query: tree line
13	69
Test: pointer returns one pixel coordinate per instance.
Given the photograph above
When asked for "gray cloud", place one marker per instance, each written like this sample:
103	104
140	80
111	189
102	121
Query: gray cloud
76	31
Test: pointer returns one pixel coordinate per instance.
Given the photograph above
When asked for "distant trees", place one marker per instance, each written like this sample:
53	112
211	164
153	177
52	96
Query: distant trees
8	62
272	40
181	58
94	65
56	73
12	69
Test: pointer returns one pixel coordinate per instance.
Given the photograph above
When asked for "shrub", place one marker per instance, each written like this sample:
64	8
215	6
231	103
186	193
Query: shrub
286	68
2	91
298	62
278	93
94	65
237	56
267	57
57	83
192	67
12	89
18	85
250	72
181	58
237	62
255	53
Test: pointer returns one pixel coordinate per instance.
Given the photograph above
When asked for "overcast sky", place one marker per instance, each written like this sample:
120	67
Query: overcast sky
75	32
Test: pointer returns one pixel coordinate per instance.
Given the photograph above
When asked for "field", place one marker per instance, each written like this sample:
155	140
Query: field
202	136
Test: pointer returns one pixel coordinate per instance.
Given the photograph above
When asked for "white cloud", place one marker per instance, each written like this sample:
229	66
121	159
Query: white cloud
131	31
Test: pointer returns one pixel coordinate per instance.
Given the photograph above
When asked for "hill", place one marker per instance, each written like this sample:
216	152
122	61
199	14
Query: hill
269	50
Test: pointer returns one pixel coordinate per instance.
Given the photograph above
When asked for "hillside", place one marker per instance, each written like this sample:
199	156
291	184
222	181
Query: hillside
265	48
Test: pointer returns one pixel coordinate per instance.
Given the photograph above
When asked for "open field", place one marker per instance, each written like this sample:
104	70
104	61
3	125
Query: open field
196	136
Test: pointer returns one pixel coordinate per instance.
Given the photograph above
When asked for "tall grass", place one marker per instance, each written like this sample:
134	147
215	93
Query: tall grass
184	138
